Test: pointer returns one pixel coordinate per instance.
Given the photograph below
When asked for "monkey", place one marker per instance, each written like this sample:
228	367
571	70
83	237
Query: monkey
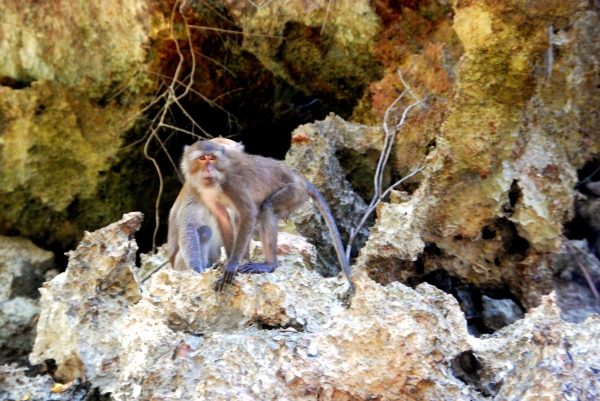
194	238
242	190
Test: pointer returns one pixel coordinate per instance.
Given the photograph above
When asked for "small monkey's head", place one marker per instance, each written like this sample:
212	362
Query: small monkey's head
204	163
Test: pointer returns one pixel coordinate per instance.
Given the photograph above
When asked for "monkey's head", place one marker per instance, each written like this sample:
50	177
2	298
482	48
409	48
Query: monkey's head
205	162
228	144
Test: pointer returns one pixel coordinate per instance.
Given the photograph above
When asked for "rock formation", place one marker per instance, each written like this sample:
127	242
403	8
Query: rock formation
286	335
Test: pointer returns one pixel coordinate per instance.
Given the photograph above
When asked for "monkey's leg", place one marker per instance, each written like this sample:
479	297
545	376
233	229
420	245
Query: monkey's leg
243	232
204	235
268	236
287	199
192	246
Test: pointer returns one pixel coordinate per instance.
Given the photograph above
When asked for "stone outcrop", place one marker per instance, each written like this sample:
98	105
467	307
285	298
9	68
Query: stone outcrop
23	268
95	291
286	335
313	155
501	143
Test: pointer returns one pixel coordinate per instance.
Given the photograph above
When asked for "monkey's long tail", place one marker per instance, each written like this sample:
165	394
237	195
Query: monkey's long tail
333	230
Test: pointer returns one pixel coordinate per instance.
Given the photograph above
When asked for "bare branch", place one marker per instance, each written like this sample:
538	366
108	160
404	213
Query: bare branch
218	14
117	93
390	136
326	15
586	179
181	130
405	85
160	180
157	268
584	271
171	90
393	186
208	28
260	6
211	102
387	147
401	123
217	63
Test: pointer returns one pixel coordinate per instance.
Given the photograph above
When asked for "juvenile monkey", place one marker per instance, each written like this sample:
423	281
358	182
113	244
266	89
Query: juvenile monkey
242	190
194	237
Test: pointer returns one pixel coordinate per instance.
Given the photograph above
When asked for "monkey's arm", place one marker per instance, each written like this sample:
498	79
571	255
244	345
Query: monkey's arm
194	246
172	247
267	221
224	222
247	212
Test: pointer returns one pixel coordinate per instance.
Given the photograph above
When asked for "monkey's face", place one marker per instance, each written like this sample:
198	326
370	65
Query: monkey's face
204	163
208	172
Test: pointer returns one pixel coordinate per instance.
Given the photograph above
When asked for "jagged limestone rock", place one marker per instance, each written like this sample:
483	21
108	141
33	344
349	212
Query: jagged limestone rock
22	269
498	313
292	250
313	156
321	46
396	235
84	307
501	136
357	147
575	298
16	385
541	357
285	335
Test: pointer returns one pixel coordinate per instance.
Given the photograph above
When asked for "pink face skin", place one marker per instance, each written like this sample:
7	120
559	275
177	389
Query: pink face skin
207	170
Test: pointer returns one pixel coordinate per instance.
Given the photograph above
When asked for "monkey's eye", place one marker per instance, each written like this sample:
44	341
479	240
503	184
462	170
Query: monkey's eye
212	158
202	157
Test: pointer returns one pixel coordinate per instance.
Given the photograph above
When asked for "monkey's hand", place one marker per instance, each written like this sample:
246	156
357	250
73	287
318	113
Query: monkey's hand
227	277
252	267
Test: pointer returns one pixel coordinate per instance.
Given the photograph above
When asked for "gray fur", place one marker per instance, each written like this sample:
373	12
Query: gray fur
261	190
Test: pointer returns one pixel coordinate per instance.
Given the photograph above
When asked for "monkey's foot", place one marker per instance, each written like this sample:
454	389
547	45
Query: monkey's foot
198	269
226	278
252	267
346	297
221	283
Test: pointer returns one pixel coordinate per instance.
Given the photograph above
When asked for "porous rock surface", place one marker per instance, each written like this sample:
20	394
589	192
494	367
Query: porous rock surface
507	122
285	335
313	156
323	47
71	83
22	269
94	292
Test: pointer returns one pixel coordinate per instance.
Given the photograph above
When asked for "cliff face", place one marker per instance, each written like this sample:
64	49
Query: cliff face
509	123
70	83
507	127
510	116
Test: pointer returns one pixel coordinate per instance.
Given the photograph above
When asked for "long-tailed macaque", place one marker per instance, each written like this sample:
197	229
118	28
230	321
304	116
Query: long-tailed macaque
194	237
241	190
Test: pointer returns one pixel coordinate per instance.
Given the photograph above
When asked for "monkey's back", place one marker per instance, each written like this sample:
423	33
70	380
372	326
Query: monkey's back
262	176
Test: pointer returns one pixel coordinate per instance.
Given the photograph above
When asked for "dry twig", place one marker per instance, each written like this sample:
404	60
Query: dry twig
574	250
172	90
390	136
326	16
